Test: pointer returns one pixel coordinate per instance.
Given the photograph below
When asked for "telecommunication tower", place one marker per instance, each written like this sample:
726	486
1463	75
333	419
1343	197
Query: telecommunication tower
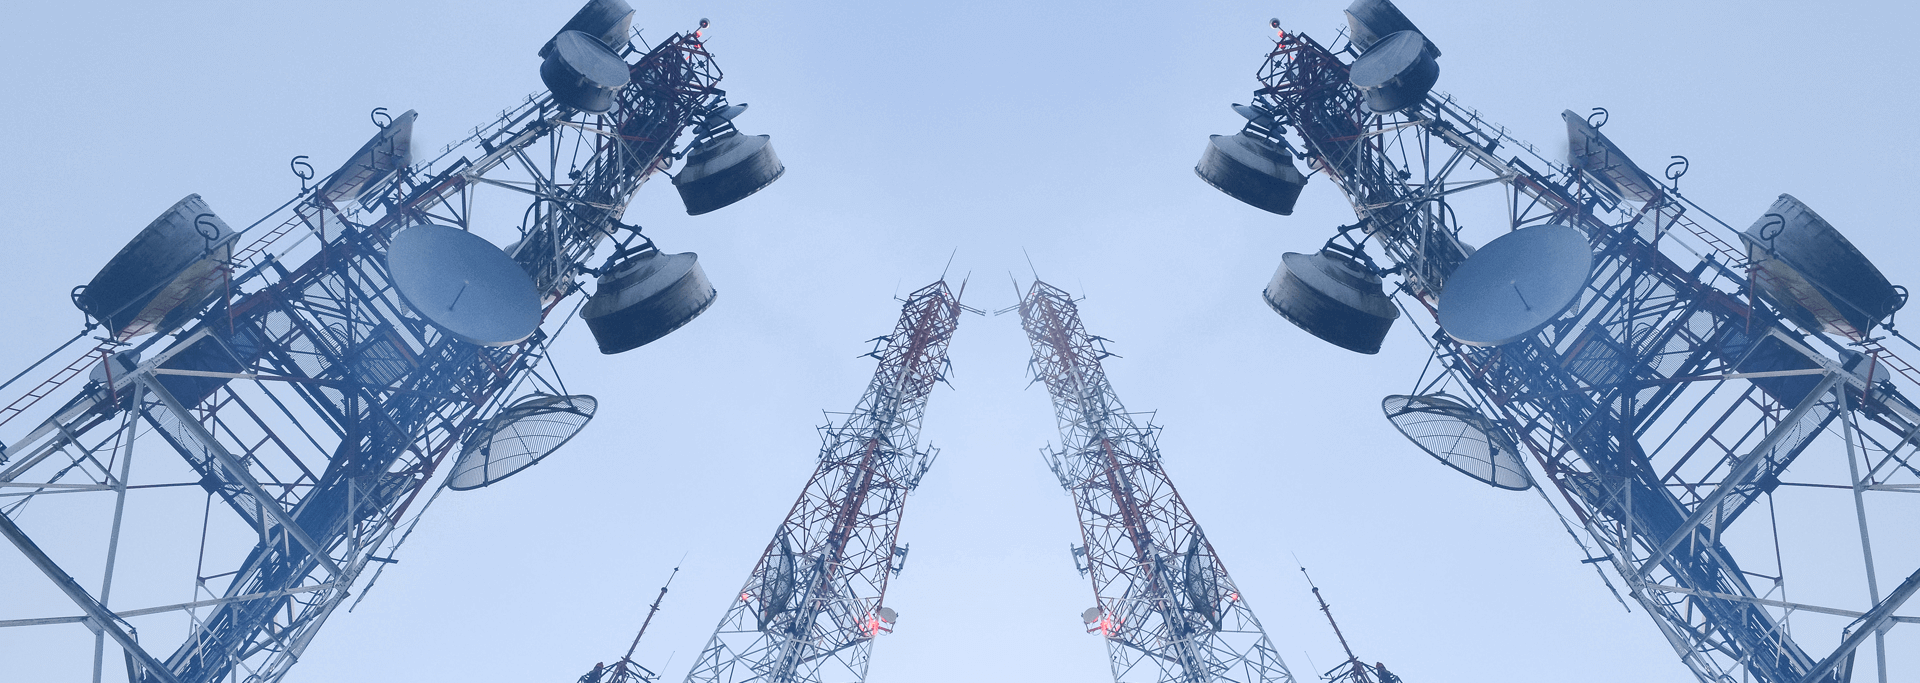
316	368
1166	606
1669	376
815	601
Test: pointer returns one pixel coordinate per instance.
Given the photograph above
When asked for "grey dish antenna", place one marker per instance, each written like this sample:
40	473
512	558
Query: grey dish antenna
1515	285
1459	437
463	285
518	437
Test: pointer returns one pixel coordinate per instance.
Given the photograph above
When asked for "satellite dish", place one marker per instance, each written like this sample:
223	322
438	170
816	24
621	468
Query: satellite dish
727	169
887	614
1253	170
385	153
464	285
1459	437
1256	116
583	72
1589	150
1515	285
1396	73
1819	279
609	21
518	437
157	281
1334	298
1370	20
645	297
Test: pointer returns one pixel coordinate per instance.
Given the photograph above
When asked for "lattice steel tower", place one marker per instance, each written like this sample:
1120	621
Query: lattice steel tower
816	600
1668	384
324	361
1166	606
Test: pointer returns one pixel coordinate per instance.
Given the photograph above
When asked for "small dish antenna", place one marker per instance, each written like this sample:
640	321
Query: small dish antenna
1459	437
1515	285
464	285
518	437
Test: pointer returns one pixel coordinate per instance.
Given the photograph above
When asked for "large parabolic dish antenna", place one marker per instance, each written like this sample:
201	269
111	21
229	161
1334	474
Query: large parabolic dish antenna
1515	285
1459	437
520	436
464	285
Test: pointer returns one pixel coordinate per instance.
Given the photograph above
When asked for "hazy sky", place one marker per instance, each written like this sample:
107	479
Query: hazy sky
910	130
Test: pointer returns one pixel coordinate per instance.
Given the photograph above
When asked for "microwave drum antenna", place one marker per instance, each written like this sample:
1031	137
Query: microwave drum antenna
1334	298
646	297
150	284
1396	73
1820	280
727	168
1253	170
583	72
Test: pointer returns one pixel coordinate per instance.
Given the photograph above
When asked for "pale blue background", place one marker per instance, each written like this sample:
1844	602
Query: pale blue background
909	130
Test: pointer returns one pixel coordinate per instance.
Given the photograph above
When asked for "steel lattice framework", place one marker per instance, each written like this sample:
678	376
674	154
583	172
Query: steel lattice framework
816	599
1667	406
1167	607
307	399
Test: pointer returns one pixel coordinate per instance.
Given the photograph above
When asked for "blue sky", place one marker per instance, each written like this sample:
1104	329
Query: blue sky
910	130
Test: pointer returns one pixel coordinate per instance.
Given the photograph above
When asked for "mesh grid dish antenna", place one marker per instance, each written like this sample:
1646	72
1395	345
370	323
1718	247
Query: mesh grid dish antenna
517	438
1459	437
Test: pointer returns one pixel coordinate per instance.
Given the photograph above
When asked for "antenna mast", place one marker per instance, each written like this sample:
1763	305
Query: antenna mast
1166	606
813	604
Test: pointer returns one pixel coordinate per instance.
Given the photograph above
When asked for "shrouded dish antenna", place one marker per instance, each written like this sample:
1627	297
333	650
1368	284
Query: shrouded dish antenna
518	437
386	153
1589	150
157	281
724	165
1459	437
609	21
583	72
1252	169
1368	21
1820	280
1333	297
463	285
1396	72
644	297
1515	285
